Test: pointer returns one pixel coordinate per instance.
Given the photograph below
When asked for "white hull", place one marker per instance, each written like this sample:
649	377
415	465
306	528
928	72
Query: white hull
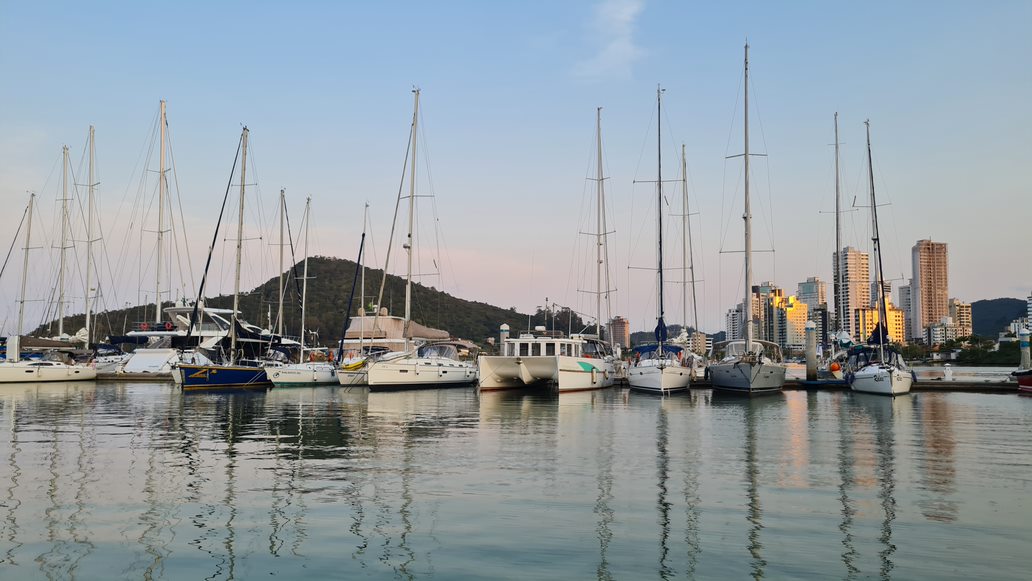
747	377
564	372
303	374
353	377
658	379
882	379
34	371
420	372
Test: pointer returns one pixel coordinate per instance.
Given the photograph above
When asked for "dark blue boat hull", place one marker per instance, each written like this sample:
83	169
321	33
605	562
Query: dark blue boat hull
199	377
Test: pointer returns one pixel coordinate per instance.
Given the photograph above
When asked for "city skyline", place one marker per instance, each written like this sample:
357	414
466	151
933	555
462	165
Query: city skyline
510	93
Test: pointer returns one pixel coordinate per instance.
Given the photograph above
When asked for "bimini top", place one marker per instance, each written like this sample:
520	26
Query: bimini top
652	347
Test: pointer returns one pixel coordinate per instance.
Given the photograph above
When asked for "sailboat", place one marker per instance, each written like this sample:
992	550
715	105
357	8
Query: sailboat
435	364
581	361
750	366
657	367
12	368
695	344
303	372
236	372
878	370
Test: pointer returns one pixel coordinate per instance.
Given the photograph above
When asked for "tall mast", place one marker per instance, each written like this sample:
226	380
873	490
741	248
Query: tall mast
25	264
747	316
840	307
661	325
64	244
279	314
879	276
89	242
162	184
686	231
598	241
411	216
239	250
361	332
304	285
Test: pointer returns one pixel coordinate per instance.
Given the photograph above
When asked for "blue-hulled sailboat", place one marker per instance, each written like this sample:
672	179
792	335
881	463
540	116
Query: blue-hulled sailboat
238	371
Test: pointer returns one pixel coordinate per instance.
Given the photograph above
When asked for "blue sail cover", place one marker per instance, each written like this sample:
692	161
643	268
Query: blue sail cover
661	332
880	335
652	347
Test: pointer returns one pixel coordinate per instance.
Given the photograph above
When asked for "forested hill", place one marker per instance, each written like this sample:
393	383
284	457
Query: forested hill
990	316
328	287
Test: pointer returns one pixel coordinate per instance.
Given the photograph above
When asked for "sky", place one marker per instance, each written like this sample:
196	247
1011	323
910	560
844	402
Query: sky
509	92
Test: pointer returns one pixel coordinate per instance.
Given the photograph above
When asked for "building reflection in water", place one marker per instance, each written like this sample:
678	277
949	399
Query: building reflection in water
936	458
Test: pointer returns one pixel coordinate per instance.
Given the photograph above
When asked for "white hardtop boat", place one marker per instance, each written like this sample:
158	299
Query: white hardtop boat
572	363
750	366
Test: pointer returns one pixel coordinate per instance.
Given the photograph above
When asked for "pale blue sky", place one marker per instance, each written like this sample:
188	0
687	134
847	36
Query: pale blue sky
509	97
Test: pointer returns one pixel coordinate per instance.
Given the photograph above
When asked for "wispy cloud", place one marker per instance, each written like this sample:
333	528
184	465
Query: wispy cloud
612	30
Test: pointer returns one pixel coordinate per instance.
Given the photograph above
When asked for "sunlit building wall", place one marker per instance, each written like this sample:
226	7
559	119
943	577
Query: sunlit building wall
866	320
854	273
960	312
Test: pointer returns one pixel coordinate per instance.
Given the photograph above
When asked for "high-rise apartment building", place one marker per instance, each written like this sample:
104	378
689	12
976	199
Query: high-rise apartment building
929	289
960	312
887	285
620	331
733	323
903	301
813	292
852	273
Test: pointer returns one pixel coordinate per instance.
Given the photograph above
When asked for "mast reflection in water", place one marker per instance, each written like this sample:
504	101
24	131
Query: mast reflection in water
142	481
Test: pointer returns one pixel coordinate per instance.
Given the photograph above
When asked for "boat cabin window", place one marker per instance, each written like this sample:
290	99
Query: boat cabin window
524	349
550	349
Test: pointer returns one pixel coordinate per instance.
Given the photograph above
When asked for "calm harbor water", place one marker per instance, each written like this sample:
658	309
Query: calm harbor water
141	481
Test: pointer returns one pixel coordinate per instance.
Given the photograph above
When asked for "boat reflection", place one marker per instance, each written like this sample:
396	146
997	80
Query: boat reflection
752	411
885	415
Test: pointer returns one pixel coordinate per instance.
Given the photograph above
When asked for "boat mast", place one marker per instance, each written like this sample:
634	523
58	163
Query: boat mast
661	325
686	232
279	314
840	307
411	216
89	242
879	276
747	316
598	242
162	184
304	285
25	264
239	250
64	244
361	304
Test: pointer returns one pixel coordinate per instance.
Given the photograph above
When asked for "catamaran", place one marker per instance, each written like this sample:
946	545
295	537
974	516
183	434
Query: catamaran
658	367
748	366
568	363
880	370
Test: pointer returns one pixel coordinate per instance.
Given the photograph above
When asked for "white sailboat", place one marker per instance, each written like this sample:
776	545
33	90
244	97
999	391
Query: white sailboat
749	366
882	370
657	368
429	365
303	372
574	363
12	368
